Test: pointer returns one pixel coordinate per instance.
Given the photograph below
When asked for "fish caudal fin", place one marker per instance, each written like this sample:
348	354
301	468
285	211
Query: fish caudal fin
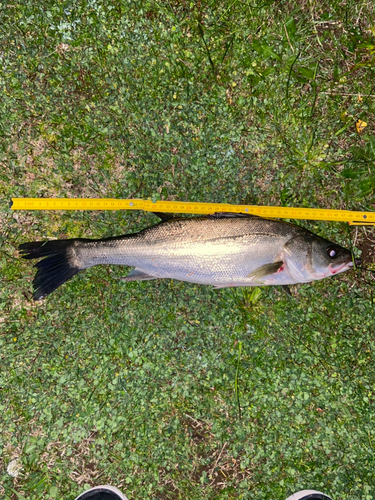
55	269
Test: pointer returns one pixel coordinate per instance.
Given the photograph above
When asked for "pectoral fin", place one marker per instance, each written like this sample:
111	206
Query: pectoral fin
265	270
137	275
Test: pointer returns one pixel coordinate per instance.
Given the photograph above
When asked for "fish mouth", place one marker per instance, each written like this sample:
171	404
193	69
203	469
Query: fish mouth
345	266
357	262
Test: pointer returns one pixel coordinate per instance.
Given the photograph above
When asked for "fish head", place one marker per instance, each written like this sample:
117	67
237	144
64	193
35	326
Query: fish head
309	257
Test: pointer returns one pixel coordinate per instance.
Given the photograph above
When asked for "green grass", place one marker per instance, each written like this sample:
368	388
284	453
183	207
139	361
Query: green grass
165	389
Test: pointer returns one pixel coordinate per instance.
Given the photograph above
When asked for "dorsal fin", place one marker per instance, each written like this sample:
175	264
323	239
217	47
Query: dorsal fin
164	217
224	215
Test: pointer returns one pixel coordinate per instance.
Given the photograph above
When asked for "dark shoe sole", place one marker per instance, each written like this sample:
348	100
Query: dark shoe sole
102	493
309	495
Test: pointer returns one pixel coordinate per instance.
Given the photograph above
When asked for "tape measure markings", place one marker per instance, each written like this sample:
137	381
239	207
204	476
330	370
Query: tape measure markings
354	218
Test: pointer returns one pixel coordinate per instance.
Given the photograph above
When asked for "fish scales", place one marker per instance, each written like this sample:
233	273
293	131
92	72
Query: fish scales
205	251
221	250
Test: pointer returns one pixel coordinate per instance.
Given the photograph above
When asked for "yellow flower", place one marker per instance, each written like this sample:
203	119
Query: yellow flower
360	125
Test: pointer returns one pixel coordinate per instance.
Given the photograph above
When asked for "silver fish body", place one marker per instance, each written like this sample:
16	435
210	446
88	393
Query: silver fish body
224	250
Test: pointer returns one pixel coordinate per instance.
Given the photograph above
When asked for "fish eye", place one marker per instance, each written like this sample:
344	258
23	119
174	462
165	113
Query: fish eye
332	252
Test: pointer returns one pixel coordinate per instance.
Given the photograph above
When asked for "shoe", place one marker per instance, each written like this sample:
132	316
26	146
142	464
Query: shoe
309	495
112	493
102	493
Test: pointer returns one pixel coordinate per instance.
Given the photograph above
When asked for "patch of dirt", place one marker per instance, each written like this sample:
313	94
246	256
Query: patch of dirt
215	462
366	243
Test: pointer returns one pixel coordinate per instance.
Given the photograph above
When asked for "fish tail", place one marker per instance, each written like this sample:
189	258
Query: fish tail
58	266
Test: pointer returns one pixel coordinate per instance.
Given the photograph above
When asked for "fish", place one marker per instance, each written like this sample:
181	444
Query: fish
221	249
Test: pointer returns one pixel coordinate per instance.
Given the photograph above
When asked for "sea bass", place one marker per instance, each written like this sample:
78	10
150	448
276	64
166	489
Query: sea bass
224	250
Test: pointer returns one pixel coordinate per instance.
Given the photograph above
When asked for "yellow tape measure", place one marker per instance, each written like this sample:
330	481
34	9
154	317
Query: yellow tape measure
354	218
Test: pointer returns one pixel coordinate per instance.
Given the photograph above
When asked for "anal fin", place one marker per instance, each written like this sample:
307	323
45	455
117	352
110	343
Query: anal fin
138	275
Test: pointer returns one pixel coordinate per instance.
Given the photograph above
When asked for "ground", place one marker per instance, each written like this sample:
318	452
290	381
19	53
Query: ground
164	389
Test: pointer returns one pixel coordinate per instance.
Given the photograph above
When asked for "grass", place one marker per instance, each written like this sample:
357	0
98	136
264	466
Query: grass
165	389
